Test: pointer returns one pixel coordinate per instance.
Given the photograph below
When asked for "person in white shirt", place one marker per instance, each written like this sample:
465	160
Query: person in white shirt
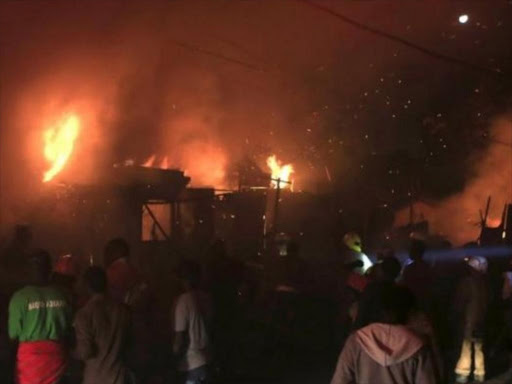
192	318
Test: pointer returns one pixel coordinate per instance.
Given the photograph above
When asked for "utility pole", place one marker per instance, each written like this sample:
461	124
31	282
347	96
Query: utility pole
276	206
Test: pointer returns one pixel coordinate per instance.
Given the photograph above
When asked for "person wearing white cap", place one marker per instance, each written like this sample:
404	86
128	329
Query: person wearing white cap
471	301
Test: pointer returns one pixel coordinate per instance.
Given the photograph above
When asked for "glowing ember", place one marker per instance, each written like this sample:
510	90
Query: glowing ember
279	172
149	162
58	144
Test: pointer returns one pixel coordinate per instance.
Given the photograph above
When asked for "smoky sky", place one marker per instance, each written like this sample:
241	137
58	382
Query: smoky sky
208	84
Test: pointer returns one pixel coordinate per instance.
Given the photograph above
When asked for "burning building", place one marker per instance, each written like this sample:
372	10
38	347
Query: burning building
132	202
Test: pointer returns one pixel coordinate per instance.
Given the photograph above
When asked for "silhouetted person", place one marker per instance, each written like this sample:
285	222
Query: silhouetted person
13	276
506	296
471	301
192	316
64	276
125	285
417	275
387	269
122	276
102	331
384	275
40	321
291	270
384	350
224	278
15	256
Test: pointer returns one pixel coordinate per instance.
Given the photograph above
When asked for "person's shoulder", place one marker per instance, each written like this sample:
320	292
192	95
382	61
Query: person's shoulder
199	296
351	344
190	295
191	298
27	291
22	293
185	297
112	306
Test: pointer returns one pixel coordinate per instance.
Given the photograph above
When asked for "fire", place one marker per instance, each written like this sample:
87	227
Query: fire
58	144
493	222
280	172
149	162
165	163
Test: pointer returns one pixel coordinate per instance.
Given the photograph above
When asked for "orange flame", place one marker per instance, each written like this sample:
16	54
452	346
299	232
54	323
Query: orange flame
165	163
280	172
58	144
149	162
493	222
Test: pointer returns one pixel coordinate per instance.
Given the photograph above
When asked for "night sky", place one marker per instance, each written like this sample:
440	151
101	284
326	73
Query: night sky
362	116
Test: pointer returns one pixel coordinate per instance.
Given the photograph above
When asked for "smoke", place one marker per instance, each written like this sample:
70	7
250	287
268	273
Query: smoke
209	84
139	90
458	217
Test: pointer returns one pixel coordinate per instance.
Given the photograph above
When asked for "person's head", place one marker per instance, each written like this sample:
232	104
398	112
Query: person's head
417	250
352	241
392	305
189	272
115	249
95	280
388	269
66	265
40	267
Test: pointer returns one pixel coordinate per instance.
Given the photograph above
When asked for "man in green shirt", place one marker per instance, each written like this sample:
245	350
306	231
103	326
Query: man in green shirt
40	321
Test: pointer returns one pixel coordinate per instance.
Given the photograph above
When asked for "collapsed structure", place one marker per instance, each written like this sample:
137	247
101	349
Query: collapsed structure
151	206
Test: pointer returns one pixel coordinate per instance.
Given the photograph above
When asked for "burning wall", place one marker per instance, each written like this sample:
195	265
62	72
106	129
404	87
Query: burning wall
457	217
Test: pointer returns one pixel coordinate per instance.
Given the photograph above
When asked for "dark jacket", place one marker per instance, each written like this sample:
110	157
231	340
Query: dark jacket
385	354
418	278
102	327
369	308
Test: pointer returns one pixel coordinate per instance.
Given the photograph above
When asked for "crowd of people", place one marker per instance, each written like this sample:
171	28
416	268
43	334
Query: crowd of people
99	333
396	314
100	328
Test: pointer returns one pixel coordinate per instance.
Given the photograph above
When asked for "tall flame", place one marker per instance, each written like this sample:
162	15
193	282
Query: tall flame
58	144
280	172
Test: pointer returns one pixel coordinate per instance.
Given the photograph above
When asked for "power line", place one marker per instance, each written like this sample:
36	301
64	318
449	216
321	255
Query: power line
402	41
217	55
500	142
